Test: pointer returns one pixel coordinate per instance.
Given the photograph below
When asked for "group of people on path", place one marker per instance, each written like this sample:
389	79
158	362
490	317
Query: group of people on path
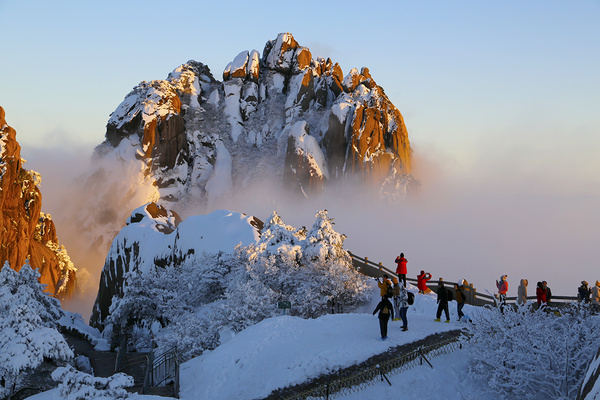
589	295
396	290
444	295
543	293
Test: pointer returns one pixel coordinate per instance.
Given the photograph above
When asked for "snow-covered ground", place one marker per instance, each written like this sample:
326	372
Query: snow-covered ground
286	350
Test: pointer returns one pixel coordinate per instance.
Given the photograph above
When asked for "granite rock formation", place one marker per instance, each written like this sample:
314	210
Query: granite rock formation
280	118
27	233
190	127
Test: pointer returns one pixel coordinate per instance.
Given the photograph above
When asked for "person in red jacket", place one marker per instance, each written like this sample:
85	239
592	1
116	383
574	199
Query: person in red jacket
401	269
502	289
540	293
422	279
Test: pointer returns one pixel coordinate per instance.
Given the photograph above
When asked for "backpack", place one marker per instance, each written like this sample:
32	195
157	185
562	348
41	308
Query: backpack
385	310
390	291
411	298
450	297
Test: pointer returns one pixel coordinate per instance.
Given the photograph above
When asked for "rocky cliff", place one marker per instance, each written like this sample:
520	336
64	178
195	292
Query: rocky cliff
278	119
195	136
27	233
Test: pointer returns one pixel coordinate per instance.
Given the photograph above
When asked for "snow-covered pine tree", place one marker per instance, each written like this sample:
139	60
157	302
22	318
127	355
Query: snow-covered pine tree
532	354
331	271
307	269
28	326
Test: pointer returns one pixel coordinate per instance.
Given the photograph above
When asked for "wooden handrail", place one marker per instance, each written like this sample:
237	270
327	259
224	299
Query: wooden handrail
473	295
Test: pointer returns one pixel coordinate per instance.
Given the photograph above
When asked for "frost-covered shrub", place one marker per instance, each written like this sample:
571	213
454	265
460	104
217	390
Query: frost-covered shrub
530	354
192	333
28	322
306	268
194	298
77	385
172	296
83	364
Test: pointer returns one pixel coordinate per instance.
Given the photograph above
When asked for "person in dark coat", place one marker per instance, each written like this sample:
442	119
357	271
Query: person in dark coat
584	292
386	310
401	269
460	300
548	292
442	300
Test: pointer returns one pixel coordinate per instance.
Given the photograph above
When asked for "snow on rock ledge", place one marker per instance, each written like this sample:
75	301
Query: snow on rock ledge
156	236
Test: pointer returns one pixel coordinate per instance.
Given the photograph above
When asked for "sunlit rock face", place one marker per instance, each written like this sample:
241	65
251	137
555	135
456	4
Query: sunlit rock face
27	233
191	127
280	118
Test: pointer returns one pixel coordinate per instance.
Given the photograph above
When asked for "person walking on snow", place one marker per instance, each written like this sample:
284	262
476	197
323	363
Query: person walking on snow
502	289
460	300
403	300
384	286
522	292
386	310
442	300
422	279
401	269
396	299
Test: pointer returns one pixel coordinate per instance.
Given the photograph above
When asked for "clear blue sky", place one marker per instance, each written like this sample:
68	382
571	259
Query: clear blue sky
468	76
502	94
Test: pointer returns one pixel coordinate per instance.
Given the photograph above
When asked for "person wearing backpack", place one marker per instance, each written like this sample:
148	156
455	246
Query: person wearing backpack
460	300
386	310
385	286
401	269
442	301
403	300
584	292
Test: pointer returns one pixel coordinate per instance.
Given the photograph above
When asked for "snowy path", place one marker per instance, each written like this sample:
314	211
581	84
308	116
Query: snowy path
286	351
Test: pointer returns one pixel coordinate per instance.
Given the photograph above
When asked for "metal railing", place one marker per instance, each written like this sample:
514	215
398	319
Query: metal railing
162	369
372	374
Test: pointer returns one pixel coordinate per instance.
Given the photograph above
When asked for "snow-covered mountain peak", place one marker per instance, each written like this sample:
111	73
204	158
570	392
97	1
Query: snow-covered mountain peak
280	120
